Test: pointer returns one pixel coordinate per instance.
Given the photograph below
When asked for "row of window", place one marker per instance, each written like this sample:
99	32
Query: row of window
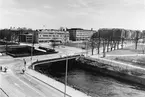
81	38
52	36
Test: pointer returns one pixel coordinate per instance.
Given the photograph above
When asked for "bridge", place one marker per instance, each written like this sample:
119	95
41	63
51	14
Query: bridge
53	60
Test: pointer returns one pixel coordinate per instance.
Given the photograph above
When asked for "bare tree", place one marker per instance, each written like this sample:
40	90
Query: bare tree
104	47
92	45
136	39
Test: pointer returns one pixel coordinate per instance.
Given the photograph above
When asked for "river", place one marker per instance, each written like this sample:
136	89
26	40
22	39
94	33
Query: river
92	83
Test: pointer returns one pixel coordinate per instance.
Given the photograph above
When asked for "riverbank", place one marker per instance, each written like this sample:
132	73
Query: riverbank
114	68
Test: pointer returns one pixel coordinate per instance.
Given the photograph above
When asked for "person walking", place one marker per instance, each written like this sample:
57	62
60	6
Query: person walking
24	64
1	68
23	70
5	69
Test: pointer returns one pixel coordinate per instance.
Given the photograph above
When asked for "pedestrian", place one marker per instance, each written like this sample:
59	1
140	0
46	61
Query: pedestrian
1	68
5	69
23	71
24	63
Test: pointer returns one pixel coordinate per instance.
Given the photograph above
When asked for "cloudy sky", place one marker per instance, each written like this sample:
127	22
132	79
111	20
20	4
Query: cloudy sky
129	14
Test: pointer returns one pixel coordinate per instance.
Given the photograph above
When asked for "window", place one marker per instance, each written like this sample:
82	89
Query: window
45	35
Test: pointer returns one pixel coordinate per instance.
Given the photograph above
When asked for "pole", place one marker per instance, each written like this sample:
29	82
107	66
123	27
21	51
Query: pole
66	76
32	49
6	43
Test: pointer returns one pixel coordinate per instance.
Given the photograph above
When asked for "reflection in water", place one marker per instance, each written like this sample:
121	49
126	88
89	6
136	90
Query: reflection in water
94	83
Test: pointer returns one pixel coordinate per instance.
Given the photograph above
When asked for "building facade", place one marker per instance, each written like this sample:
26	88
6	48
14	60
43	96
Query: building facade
78	34
46	35
19	35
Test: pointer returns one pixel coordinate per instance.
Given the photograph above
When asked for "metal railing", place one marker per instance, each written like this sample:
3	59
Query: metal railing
49	84
2	92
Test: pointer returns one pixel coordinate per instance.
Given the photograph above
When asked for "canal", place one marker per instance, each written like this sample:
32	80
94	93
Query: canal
90	82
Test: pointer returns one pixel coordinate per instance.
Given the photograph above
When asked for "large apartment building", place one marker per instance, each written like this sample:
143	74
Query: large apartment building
46	35
77	34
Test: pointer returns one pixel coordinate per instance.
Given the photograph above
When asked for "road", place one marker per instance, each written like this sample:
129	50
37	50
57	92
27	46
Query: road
16	84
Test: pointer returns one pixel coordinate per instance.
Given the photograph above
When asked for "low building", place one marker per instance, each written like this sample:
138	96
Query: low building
46	35
78	34
27	38
18	35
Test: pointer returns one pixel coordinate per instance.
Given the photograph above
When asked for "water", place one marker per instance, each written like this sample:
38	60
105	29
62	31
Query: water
93	83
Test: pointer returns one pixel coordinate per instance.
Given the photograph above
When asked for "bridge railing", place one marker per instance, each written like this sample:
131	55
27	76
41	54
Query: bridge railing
3	93
42	75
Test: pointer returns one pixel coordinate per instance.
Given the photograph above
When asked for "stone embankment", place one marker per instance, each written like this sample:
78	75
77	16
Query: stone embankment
115	69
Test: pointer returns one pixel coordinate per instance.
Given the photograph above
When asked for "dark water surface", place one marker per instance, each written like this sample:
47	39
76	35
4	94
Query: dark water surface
92	83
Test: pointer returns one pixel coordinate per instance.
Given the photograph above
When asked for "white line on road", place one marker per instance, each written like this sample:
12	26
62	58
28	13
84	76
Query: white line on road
41	94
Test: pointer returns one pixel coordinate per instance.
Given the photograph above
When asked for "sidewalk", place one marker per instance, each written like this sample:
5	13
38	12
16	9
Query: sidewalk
53	83
116	63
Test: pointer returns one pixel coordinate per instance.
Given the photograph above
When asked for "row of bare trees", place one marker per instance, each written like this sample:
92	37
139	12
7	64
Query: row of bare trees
110	39
107	44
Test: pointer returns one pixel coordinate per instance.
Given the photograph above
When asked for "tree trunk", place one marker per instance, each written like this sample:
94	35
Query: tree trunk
117	44
111	45
99	47
104	46
122	43
108	45
136	41
114	45
92	51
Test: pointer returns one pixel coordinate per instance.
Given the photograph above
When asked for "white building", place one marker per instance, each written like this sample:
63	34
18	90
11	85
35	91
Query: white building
46	35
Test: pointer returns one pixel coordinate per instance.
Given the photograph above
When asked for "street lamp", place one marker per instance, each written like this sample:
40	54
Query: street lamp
32	48
66	68
66	72
6	43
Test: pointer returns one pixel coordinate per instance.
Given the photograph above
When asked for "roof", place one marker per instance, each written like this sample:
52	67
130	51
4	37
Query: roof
75	29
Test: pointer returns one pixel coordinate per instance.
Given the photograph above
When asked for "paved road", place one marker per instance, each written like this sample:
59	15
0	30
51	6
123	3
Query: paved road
16	88
23	85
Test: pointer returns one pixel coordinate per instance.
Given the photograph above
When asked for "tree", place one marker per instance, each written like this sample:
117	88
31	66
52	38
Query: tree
104	47
136	39
92	45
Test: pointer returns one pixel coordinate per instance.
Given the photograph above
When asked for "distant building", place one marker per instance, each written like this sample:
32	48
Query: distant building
29	37
18	35
77	34
47	35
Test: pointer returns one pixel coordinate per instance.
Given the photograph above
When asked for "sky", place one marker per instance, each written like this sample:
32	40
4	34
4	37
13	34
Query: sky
87	14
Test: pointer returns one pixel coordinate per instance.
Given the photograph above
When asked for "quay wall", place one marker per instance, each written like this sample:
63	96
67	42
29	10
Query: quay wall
112	69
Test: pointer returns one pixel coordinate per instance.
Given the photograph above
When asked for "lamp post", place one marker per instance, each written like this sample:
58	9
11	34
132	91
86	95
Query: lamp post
32	48
66	72
66	68
6	43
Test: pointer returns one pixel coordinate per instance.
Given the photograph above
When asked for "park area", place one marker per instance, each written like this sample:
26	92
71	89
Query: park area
129	55
129	50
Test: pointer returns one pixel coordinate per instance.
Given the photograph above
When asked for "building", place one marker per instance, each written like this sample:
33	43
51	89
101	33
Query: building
77	34
29	37
18	35
46	35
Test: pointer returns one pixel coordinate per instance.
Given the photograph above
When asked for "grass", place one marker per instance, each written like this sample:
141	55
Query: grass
128	50
133	60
